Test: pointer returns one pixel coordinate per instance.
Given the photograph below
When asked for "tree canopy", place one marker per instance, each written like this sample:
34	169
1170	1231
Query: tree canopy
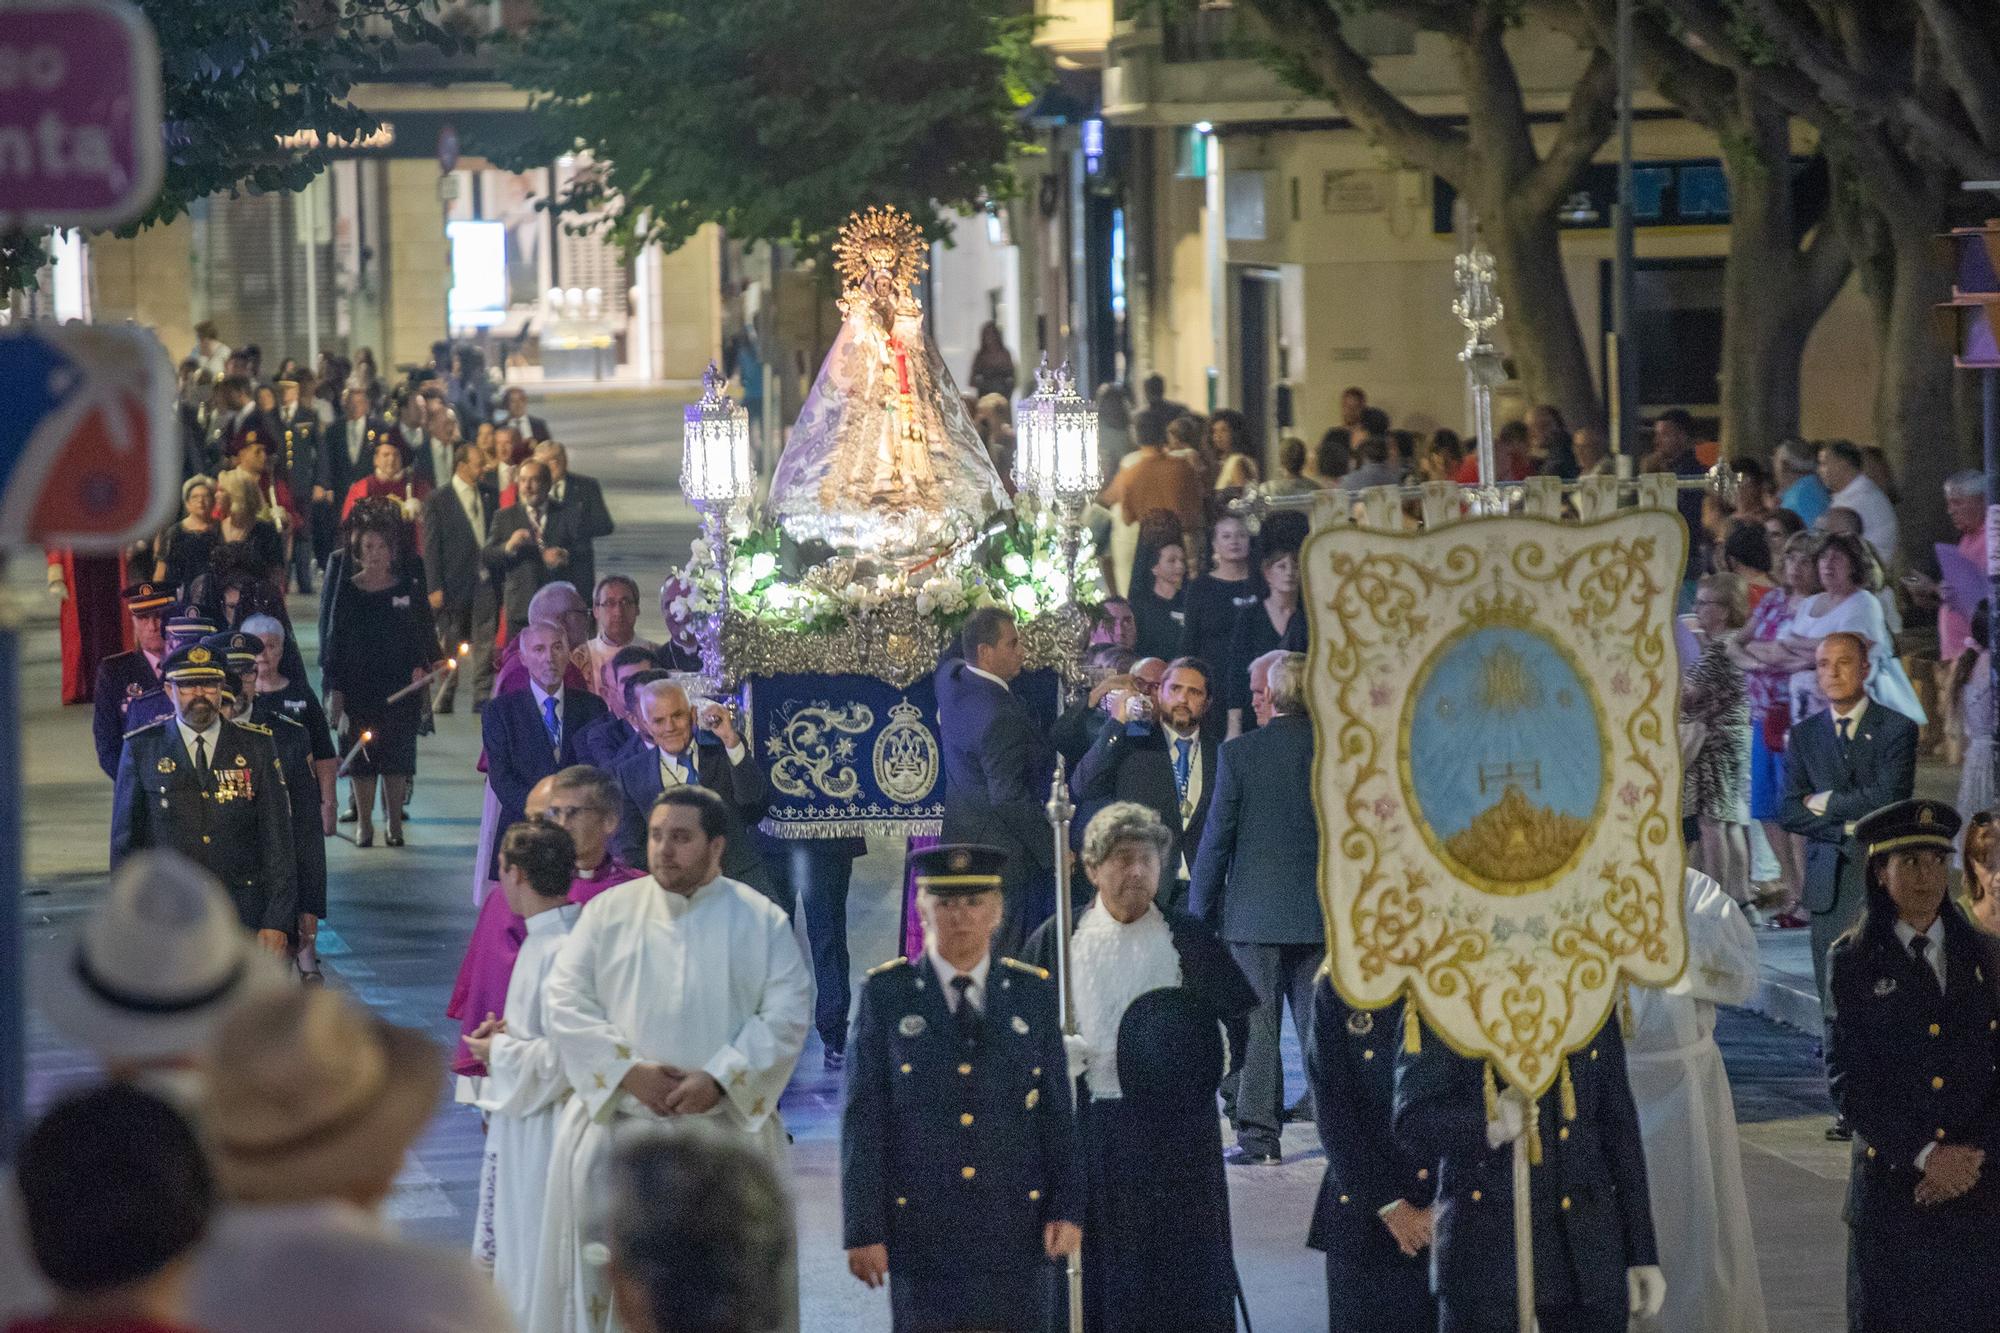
774	119
239	75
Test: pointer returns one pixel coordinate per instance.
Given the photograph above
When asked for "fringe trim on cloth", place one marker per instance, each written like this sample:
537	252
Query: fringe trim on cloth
804	830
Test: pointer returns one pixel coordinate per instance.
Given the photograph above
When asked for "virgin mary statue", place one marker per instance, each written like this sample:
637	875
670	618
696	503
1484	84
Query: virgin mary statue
883	460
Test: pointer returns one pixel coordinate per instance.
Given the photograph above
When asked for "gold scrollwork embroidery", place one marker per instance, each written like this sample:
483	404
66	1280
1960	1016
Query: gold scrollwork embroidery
812	749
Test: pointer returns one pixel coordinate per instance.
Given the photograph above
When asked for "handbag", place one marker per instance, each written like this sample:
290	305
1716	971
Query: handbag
1777	725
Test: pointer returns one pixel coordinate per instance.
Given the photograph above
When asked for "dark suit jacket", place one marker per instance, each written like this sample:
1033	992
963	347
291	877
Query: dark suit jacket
1879	768
343	461
452	550
518	753
296	454
1592	1215
121	678
585	498
605	742
523	573
1351	1064
1123	767
996	770
538	429
1256	879
417	444
742	789
244	840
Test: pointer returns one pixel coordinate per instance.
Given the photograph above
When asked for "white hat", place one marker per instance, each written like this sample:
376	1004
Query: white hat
154	966
310	1094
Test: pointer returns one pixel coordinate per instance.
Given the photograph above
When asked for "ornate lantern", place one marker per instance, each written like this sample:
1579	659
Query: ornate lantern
1055	442
715	449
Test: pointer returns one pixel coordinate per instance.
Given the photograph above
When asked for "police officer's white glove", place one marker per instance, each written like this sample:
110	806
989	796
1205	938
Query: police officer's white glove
1645	1290
1511	1121
1078	1052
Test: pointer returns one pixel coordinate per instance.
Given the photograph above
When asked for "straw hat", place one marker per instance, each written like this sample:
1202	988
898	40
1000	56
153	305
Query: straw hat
154	967
310	1095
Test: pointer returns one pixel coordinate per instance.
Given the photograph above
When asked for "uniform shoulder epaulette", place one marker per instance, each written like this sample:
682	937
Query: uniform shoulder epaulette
889	966
158	721
1029	968
257	727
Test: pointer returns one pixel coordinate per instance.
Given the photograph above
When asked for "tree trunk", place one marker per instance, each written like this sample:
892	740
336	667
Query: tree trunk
1540	331
1764	328
1913	400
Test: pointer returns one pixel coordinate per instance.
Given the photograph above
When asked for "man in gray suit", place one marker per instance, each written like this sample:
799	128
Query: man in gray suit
1256	881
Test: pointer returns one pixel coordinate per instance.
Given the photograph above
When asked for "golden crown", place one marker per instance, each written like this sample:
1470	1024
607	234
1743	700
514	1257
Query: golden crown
882	237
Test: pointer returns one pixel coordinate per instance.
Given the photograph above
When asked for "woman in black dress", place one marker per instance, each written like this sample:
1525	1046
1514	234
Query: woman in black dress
381	640
1274	622
1158	593
184	548
1211	602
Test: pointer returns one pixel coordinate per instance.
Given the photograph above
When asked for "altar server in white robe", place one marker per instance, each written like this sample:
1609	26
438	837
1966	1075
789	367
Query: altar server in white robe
682	994
1693	1157
524	1087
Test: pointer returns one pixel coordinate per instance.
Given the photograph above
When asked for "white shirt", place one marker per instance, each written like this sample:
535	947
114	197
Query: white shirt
1934	955
988	675
1878	515
211	738
441	464
542	715
1191	798
468	499
976	992
1114	963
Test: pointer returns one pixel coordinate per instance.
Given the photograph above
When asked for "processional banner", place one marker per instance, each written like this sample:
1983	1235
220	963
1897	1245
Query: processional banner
858	756
1498	774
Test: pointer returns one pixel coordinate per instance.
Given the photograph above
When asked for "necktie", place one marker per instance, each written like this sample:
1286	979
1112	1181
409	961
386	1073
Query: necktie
1920	947
1845	726
966	1013
201	759
552	722
1183	757
670	772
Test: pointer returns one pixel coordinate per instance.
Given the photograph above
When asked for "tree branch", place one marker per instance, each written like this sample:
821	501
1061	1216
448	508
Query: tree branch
1586	124
1305	42
1966	58
1822	269
1703	90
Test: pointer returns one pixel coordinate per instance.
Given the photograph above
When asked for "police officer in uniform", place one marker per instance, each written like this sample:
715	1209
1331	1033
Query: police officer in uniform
211	790
1373	1216
1596	1262
186	623
241	702
123	677
959	1183
1910	1055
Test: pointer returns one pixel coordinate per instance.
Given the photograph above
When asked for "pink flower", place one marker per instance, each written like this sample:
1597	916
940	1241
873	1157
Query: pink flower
1384	808
1379	696
1621	683
1629	794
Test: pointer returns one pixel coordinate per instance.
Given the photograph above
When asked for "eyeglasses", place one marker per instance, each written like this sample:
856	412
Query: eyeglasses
617	601
562	814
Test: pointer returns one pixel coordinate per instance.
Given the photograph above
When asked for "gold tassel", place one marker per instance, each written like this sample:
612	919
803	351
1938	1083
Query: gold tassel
1492	1095
1413	1029
1568	1092
1534	1134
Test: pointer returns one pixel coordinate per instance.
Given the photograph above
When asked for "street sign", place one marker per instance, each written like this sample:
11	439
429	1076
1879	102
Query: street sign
90	448
79	113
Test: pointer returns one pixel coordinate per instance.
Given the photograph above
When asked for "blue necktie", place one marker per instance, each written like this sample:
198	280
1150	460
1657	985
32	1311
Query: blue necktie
1182	757
552	722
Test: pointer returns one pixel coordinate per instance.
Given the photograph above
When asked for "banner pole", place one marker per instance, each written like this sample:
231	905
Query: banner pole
1524	1238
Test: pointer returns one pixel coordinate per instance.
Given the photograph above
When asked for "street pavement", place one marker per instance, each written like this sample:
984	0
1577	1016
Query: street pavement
399	919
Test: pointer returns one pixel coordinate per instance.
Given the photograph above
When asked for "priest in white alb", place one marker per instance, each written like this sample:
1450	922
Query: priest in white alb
524	1089
682	995
1694	1160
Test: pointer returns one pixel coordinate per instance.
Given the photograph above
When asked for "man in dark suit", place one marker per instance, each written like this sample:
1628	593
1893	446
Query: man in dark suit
211	790
463	598
412	428
584	498
609	739
1157	754
516	417
436	461
123	677
674	758
532	733
1856	757
1596	1261
960	1221
1256	880
1373	1216
295	458
529	544
346	450
996	768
